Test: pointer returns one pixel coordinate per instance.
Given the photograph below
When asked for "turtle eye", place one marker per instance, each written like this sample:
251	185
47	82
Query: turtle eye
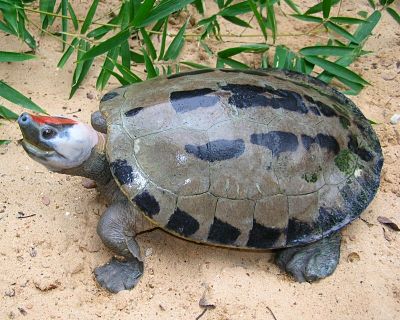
48	133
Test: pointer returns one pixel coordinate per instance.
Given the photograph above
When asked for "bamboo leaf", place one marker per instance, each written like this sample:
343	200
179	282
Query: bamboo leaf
307	18
46	6
149	45
236	9
127	74
256	48
259	18
336	69
364	30
125	54
346	20
89	16
320	7
108	64
339	30
292	5
372	3
137	57
118	77
64	21
326	8
394	14
176	45
271	19
326	51
8	56
68	53
280	57
163	9
151	71
4	142
103	30
163	39
107	45
73	16
82	68
18	98
7	114
237	21
143	12
194	65
231	62
199	6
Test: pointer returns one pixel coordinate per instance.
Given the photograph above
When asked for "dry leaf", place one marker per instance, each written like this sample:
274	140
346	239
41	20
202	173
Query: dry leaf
388	223
353	257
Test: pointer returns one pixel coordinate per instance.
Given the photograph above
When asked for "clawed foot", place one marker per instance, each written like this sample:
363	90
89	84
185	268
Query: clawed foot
118	275
311	262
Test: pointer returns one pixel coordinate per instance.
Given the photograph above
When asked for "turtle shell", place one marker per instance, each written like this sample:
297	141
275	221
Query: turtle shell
252	159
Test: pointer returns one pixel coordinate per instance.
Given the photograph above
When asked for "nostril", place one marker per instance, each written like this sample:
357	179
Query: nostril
23	118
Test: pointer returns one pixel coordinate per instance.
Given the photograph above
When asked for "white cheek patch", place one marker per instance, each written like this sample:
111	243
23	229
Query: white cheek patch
74	144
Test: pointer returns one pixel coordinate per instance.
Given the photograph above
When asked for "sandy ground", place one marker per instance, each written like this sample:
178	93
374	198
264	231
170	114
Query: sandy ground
47	260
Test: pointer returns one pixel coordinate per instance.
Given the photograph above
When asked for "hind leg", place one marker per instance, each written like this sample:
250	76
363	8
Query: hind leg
116	230
313	261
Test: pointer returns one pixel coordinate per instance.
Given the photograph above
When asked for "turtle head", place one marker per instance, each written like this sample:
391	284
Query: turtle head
56	142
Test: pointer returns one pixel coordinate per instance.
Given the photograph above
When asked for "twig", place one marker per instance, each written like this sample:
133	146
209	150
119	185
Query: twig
269	309
23	217
201	314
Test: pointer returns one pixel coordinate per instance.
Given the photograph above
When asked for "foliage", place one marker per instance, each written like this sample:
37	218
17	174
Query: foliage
148	20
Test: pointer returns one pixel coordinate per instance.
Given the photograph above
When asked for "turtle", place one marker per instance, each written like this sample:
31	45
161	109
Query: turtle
252	159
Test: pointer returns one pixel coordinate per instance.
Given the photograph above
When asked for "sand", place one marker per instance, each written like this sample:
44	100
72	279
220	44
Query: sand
47	259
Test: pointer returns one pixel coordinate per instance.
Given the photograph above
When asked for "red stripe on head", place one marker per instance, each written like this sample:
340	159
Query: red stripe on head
52	120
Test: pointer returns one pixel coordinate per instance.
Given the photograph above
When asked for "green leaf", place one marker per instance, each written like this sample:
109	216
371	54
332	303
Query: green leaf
281	53
256	48
4	142
46	6
89	16
18	98
236	9
8	56
82	68
163	9
194	65
237	21
326	51
125	54
108	64
259	18
107	45
320	7
143	12
7	114
127	74
355	87
386	2
363	14
151	71
176	45
163	39
73	16
231	62
339	30
292	5
364	30
199	6
149	45
372	3
346	20
6	29
271	19
326	8
68	53
394	14
307	18
118	77
137	57
64	21
103	30
336	69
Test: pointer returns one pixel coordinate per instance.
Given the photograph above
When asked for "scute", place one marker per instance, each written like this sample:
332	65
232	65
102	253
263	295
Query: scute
253	159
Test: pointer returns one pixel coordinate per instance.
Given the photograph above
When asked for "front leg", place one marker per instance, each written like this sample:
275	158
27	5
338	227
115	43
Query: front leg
116	229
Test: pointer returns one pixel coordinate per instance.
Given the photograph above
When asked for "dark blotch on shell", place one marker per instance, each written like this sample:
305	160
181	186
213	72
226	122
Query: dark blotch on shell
361	152
276	141
298	230
133	112
222	232
182	223
330	219
263	237
147	203
324	141
217	150
189	100
122	171
109	96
